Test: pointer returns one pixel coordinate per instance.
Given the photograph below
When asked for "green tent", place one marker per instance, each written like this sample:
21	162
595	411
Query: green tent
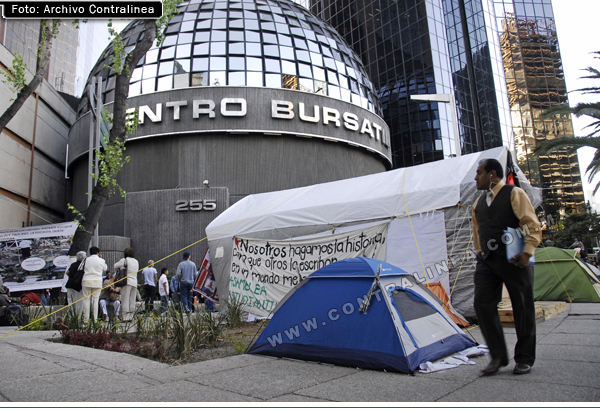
560	275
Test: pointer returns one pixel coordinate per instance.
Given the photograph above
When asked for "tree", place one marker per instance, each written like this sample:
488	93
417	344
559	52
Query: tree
111	158
584	226
49	30
572	143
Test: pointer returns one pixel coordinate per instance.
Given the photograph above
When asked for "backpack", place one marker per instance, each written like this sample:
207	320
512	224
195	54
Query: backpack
12	315
30	298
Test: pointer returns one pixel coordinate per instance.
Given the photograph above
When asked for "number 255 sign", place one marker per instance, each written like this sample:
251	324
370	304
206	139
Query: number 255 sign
195	205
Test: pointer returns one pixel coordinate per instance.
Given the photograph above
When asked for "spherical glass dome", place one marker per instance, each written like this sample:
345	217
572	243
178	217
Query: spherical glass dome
260	43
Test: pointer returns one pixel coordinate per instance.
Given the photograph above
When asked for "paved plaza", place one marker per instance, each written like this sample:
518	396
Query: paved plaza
34	369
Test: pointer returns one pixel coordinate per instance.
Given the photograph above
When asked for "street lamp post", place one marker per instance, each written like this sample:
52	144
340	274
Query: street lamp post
96	106
444	98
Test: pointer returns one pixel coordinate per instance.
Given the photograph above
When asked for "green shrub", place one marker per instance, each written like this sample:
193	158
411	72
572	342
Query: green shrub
234	311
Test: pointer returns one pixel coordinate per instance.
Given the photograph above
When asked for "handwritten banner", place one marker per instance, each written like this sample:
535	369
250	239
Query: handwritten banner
263	271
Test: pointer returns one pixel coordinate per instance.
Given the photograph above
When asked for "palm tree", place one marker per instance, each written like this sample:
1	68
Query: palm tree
572	143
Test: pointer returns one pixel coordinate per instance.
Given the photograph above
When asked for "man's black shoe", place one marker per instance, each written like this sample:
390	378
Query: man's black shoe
494	365
521	369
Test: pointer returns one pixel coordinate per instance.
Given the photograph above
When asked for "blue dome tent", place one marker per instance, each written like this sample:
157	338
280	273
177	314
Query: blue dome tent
365	313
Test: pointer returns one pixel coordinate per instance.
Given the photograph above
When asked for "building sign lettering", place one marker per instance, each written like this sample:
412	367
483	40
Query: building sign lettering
195	205
280	109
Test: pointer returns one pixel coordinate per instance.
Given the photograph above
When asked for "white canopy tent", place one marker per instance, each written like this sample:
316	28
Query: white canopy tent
426	211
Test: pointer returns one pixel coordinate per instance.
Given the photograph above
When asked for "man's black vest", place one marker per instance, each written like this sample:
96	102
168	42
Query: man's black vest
493	220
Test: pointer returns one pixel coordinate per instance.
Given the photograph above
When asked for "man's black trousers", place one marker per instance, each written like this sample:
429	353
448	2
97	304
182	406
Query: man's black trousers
149	295
490	274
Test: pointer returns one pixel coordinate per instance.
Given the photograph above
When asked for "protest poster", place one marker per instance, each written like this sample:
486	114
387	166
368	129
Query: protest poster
205	280
35	257
263	271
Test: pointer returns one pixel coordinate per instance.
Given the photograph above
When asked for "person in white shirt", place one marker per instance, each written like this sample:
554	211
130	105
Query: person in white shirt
25	246
128	292
163	289
149	286
91	283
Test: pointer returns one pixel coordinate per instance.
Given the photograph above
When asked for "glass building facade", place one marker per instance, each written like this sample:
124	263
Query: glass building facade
478	78
74	50
536	83
261	43
22	37
413	47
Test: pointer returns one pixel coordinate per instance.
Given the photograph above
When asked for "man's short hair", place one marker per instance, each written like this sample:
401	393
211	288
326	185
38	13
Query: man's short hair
493	164
94	250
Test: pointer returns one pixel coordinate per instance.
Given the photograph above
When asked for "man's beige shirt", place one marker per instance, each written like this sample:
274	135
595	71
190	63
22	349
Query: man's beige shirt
523	210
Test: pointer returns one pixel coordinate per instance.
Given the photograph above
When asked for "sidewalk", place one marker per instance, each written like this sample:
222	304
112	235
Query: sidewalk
34	369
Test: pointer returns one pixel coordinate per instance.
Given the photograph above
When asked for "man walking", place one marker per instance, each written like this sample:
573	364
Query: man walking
150	281
500	207
186	271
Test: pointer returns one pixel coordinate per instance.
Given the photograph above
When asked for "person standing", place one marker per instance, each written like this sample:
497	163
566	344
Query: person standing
186	271
150	281
174	289
4	292
128	292
500	207
91	283
579	247
73	295
25	246
163	289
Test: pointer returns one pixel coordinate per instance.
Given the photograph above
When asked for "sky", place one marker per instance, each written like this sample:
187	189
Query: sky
576	26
